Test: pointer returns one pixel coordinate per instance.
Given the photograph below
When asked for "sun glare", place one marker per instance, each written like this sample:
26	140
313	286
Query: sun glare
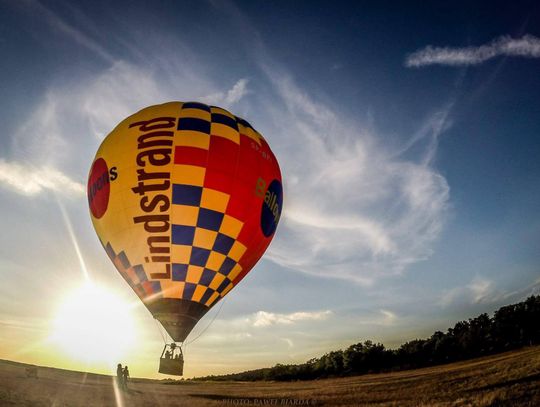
94	326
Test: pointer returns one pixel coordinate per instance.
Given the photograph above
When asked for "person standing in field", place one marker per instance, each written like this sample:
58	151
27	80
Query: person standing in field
125	375
120	376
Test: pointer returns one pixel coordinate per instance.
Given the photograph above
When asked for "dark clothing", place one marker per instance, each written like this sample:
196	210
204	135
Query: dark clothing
125	375
120	376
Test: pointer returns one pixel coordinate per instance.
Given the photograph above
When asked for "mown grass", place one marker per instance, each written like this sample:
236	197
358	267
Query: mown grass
509	379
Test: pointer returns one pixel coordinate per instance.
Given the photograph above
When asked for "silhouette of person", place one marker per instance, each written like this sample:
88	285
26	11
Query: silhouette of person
125	375
120	376
168	354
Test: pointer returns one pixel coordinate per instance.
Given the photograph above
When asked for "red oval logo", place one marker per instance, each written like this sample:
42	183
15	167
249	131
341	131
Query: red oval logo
99	188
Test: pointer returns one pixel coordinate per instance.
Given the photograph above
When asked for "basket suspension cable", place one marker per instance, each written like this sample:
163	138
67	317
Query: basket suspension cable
161	332
183	345
207	326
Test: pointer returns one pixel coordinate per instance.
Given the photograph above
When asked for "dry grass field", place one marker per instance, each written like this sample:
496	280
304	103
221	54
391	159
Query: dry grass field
509	379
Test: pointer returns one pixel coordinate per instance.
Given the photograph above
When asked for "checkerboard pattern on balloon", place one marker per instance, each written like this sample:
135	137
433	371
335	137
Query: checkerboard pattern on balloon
206	249
133	274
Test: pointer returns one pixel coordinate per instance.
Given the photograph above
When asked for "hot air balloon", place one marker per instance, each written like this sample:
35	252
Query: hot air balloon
185	198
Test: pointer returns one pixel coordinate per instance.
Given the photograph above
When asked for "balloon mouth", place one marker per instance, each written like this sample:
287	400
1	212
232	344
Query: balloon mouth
178	316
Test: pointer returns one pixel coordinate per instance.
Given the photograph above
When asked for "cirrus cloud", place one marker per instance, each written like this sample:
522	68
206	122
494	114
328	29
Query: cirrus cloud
29	180
230	97
263	318
354	210
527	46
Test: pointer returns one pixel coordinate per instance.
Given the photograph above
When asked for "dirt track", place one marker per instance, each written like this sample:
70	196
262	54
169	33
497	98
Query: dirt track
512	378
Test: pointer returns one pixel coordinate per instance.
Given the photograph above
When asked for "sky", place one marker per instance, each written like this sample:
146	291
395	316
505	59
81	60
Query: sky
408	138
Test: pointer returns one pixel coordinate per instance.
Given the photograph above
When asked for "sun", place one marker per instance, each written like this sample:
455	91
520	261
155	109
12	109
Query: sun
94	326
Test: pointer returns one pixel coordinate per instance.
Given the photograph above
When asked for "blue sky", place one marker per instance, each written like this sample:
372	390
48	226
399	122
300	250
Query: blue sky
408	138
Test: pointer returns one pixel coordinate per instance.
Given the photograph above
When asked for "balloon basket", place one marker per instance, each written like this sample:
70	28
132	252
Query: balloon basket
171	360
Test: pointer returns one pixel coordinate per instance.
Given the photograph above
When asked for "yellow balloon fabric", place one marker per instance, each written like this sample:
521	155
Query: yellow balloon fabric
185	199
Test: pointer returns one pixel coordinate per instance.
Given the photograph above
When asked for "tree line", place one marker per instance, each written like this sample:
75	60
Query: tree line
511	327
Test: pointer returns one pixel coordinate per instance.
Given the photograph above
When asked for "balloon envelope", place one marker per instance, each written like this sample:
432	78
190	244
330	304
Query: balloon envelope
185	199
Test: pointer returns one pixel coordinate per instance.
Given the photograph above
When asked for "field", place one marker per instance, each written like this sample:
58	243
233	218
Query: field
511	378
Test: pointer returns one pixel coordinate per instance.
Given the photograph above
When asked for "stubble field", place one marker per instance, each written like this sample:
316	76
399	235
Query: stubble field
509	379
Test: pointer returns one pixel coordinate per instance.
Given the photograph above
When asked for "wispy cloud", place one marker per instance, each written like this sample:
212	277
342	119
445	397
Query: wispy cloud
527	46
353	210
431	129
388	317
263	318
57	23
230	97
480	290
531	289
28	180
66	126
